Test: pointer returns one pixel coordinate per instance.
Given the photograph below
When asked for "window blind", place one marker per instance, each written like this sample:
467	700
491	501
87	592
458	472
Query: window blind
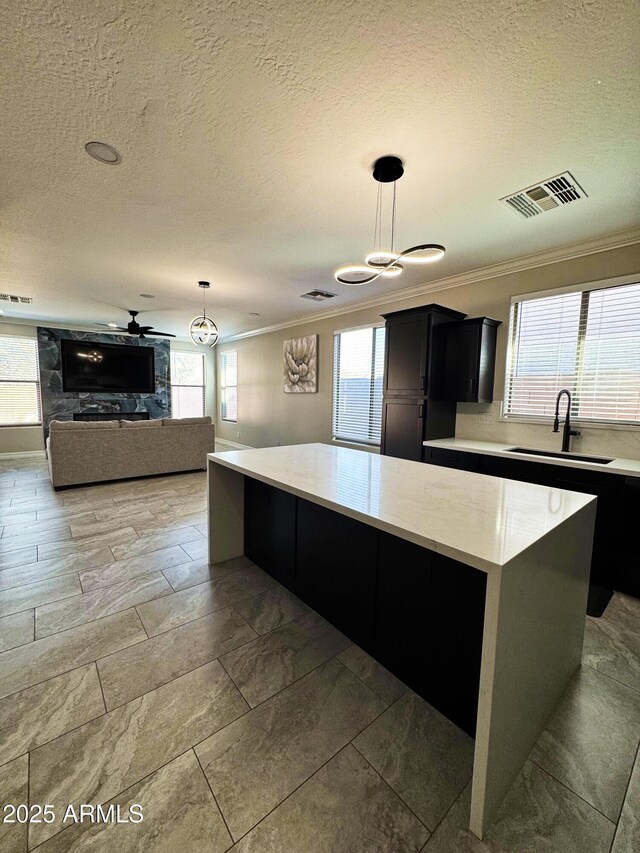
358	366
229	385
187	384
586	341
19	382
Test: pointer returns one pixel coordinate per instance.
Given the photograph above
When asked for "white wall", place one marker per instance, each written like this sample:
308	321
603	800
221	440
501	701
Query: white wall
268	416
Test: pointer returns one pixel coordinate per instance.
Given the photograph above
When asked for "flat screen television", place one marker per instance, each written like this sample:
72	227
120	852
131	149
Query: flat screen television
115	368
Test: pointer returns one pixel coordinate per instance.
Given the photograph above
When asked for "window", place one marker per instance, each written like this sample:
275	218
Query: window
187	384
358	365
586	341
19	382
229	385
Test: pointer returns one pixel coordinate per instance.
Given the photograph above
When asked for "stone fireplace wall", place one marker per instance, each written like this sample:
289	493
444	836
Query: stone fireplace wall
60	405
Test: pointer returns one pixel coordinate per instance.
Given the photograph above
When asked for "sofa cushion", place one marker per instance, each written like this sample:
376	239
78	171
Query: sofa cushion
183	421
156	422
57	425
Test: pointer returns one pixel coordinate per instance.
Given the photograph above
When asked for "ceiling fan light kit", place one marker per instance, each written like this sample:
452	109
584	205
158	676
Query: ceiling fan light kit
202	330
385	262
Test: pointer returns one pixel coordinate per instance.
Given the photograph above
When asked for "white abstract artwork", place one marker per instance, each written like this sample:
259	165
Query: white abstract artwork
301	365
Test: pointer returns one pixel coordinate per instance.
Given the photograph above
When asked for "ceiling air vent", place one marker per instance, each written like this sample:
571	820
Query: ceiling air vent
21	300
546	195
318	295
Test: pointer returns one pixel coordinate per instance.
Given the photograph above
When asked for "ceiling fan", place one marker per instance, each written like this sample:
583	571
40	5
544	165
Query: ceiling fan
134	328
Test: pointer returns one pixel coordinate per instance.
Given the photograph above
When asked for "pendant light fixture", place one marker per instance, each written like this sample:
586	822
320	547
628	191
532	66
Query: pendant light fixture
384	260
202	330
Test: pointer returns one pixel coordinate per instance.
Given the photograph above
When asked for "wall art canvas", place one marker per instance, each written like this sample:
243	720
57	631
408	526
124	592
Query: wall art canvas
301	365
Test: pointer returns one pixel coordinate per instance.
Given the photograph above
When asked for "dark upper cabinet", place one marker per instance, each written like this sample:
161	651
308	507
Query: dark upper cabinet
409	350
469	360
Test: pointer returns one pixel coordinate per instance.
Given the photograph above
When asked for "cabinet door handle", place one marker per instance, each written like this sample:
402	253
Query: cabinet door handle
471	385
423	383
420	411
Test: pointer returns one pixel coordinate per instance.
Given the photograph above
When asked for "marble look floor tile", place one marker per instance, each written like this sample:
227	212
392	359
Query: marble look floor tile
590	742
538	815
88	528
32	595
258	760
43	712
36	571
99	760
123	570
43	659
18	557
18	516
14	789
199	571
165	524
423	756
122	511
54	550
263	667
612	646
99	603
180	816
627	838
155	542
197	550
53	525
270	609
375	676
188	604
344	808
16	630
64	512
33	537
145	666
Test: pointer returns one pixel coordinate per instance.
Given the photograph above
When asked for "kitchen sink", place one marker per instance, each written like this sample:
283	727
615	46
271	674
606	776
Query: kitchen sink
560	454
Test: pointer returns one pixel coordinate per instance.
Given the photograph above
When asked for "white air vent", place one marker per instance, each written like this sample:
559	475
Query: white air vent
21	300
318	295
546	195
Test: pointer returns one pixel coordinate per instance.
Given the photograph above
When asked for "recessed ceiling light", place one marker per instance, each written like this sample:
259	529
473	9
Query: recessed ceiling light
103	153
253	314
147	295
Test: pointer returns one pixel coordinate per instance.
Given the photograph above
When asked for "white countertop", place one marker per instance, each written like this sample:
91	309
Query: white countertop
626	467
479	520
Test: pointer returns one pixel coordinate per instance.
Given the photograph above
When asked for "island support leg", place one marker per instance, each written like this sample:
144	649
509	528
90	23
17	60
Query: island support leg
225	513
532	646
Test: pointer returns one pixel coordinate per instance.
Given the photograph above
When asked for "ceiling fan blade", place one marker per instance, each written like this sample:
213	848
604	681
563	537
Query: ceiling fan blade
153	333
113	328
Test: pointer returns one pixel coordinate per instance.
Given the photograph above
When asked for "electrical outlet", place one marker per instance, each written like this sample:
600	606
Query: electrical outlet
486	417
238	434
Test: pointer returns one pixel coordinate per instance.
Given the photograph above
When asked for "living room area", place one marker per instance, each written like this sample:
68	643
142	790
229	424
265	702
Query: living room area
320	427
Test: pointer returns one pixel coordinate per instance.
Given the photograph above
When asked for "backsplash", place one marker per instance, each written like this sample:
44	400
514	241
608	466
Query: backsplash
624	443
61	405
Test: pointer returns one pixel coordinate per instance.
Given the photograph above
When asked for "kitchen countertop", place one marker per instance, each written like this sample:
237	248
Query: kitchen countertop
626	467
479	520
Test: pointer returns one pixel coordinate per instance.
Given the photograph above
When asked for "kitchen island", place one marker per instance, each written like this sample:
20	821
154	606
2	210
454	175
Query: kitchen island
470	588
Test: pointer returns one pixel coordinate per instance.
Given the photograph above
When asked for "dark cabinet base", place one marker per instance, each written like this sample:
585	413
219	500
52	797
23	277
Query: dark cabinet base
419	614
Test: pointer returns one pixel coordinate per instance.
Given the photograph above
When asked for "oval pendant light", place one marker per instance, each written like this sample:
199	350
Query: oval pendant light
202	330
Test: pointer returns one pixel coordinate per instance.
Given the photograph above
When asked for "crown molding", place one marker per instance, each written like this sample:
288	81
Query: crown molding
476	276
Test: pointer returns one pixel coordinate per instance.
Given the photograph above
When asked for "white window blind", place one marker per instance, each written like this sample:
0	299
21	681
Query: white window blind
229	385
187	384
19	382
587	342
358	366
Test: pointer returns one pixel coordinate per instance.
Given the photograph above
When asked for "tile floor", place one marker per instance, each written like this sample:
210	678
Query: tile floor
132	672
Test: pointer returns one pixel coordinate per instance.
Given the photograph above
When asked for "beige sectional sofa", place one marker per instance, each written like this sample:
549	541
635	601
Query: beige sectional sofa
94	451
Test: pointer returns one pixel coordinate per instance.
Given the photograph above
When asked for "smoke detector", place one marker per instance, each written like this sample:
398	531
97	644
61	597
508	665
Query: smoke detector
318	295
545	195
19	300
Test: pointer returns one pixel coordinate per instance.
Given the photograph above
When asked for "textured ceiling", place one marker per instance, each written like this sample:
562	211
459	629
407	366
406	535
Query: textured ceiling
247	132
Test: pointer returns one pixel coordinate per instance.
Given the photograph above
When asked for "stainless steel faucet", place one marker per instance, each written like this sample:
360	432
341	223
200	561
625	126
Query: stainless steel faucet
567	431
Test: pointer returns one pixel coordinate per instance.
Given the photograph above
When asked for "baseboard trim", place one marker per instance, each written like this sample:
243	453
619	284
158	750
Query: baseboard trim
31	453
233	445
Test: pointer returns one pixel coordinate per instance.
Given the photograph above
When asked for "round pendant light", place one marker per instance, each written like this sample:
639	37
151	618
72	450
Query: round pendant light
202	330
